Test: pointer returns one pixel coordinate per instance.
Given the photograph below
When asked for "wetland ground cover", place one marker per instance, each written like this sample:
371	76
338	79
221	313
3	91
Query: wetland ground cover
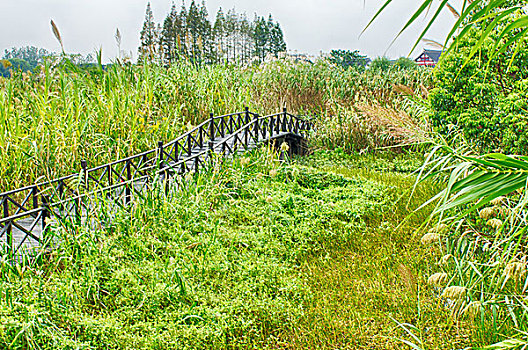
254	254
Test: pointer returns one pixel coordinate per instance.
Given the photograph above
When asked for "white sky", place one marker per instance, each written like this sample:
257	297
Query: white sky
310	26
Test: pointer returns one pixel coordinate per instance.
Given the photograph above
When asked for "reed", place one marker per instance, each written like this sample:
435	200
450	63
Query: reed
52	119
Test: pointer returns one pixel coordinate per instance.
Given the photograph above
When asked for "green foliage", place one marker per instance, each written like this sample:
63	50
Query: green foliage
213	265
404	63
490	14
348	59
52	119
481	231
32	55
23	59
188	34
14	64
381	64
486	98
148	48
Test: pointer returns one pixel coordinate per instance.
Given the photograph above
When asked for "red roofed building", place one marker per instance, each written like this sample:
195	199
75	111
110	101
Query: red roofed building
428	58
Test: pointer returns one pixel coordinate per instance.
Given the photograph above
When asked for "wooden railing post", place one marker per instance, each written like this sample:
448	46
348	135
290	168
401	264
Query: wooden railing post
162	166
189	146
256	130
211	127
284	117
160	154
46	214
34	194
9	225
196	164
84	168
247	129
128	191
247	115
221	127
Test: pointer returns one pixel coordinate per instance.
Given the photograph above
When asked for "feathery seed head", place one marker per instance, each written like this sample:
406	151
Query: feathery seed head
273	172
454	292
439	228
244	161
495	223
514	270
429	238
473	309
437	279
487	213
445	259
285	147
269	199
498	201
505	211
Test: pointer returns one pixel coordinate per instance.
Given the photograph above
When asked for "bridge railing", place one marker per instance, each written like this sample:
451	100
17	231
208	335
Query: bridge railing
25	212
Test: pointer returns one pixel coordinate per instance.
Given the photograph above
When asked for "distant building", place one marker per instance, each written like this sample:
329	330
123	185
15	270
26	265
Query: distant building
428	58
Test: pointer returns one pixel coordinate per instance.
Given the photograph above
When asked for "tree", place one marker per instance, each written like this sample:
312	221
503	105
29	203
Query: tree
404	63
13	65
348	59
190	34
277	40
193	28
31	54
219	34
261	37
149	38
380	64
170	35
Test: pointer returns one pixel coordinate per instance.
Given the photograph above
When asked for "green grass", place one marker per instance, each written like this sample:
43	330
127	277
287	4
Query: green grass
264	255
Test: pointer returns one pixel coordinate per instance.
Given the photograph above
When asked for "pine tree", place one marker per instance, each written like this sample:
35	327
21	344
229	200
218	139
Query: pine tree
205	39
193	28
147	49
189	34
230	29
183	41
219	35
169	36
261	38
278	44
245	38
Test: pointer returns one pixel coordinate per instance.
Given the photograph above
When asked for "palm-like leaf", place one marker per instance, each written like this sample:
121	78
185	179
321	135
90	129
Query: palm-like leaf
472	181
472	12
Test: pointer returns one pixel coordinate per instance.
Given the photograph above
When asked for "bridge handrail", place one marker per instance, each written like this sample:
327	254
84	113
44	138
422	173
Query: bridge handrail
126	172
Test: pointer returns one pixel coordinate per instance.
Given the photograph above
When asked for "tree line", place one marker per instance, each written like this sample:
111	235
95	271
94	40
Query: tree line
187	33
27	58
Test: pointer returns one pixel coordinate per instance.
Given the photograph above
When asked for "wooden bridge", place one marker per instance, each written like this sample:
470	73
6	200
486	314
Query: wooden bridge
28	212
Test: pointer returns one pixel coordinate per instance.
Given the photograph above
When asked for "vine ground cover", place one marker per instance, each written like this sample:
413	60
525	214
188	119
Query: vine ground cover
258	254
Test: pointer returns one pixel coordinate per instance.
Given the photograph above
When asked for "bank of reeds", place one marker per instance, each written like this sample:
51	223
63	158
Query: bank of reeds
52	119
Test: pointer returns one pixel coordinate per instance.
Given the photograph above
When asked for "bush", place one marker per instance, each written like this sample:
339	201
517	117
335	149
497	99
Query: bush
486	99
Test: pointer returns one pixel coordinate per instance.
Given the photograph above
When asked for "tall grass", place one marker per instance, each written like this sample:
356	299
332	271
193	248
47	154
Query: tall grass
257	254
52	119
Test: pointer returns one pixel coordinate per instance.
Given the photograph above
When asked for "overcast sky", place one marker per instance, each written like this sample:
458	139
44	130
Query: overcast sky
310	26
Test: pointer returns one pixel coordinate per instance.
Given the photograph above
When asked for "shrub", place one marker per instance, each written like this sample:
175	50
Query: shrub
487	98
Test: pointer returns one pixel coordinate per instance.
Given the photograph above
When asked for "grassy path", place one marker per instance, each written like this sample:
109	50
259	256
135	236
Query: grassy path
254	255
361	289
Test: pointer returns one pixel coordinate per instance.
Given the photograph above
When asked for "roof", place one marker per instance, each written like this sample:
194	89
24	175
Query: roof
433	54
